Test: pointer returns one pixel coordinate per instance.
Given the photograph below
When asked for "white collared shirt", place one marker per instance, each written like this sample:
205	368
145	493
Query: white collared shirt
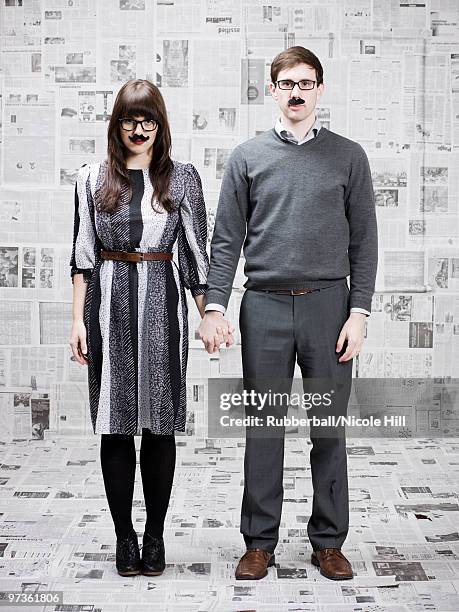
287	135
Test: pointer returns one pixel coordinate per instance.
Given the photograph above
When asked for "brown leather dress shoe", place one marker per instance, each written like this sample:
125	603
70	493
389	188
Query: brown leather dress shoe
333	564
254	564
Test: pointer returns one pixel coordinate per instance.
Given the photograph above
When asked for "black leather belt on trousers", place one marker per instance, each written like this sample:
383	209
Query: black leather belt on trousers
135	257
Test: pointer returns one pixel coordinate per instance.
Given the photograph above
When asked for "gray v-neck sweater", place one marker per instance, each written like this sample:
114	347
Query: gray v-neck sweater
307	215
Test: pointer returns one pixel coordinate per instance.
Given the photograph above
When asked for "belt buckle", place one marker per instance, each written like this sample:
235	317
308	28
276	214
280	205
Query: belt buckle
299	291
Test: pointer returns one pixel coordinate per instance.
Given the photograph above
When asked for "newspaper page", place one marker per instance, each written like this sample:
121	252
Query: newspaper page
29	118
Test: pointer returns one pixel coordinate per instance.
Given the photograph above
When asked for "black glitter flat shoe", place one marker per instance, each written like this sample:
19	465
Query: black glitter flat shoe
128	561
153	555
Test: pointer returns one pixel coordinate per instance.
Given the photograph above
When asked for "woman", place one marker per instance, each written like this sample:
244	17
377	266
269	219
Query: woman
132	212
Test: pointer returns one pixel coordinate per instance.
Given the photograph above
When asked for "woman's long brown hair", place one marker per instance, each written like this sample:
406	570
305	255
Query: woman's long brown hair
137	97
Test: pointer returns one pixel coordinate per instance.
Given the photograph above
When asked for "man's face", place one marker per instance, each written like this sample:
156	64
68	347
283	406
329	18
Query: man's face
137	140
297	104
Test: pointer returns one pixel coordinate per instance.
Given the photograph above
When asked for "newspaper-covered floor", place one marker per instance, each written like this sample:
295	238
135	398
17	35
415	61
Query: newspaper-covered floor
56	532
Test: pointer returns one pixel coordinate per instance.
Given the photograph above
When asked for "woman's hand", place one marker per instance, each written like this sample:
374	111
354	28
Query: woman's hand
78	342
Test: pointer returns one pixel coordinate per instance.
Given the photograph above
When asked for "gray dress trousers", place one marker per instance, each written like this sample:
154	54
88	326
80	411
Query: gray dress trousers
277	330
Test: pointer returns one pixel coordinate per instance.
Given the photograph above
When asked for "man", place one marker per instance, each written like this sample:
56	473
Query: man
302	197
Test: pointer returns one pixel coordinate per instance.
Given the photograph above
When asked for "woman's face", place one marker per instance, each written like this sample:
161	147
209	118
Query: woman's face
137	140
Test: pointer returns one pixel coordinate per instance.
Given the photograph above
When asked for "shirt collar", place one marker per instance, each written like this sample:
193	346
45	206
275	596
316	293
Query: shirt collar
287	135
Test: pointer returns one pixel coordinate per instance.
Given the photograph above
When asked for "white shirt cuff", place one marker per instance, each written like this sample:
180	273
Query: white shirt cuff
362	310
218	307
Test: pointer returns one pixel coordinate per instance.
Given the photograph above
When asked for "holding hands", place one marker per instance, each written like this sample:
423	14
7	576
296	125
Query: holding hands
214	330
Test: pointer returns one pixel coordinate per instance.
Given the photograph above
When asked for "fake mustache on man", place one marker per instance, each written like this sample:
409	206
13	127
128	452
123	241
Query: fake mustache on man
295	101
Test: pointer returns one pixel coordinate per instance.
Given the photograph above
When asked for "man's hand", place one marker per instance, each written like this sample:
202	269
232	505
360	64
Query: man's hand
354	332
214	329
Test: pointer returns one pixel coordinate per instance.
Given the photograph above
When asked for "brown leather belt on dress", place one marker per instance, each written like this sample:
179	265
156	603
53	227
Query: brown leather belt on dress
135	257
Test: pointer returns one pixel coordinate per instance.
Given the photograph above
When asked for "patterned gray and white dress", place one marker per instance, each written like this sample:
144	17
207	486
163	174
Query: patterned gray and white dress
136	313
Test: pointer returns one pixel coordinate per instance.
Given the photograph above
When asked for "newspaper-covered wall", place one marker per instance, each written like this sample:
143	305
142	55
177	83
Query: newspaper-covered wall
391	71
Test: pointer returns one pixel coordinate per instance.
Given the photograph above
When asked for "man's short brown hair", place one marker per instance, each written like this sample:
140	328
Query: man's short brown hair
292	57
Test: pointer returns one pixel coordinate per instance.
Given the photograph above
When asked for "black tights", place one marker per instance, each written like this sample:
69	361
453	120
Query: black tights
157	465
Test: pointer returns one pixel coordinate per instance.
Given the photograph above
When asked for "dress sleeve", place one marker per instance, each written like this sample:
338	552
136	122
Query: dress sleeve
84	239
192	234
